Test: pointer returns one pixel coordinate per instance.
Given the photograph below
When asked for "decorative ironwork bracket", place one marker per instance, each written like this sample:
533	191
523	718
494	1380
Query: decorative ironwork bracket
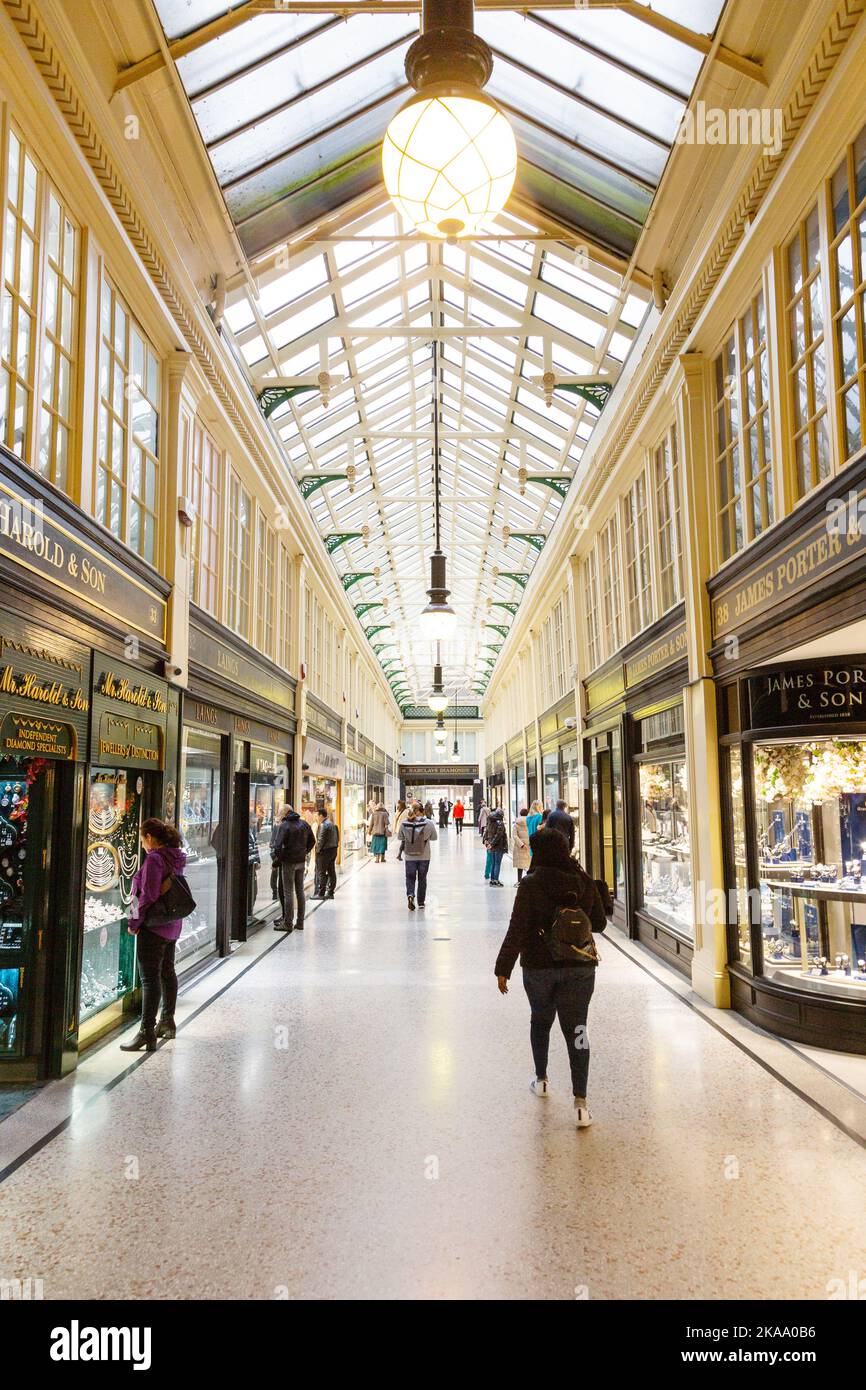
339	538
597	394
313	481
270	397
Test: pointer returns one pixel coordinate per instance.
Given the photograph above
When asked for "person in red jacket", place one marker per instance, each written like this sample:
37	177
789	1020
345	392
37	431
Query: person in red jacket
458	813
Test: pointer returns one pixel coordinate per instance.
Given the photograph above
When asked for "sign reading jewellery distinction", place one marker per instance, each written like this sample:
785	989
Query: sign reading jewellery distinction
130	710
34	537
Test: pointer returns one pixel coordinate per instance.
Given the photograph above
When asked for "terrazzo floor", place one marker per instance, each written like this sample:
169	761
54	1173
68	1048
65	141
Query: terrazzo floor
351	1119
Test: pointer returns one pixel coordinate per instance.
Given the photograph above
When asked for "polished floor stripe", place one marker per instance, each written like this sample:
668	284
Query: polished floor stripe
351	1118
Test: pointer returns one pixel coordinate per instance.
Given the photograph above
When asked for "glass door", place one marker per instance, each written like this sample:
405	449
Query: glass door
26	809
113	855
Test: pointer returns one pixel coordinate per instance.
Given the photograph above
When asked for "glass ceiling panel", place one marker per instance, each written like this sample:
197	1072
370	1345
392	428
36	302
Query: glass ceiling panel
340	52
487	387
219	60
582	72
634	44
180	17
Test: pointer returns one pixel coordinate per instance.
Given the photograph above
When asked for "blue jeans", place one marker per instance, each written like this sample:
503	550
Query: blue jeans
494	864
419	867
563	991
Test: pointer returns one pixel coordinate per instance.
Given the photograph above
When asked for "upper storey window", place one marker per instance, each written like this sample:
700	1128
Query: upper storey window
744	469
127	444
848	289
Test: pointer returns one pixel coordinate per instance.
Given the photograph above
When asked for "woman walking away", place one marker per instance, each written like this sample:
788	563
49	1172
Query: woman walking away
402	813
378	826
458	813
556	988
483	813
496	840
428	809
533	820
157	940
520	845
416	832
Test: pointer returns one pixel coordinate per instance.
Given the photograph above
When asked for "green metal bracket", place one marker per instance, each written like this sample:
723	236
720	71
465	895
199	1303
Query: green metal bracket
560	485
489	660
489	647
389	666
383	647
521	579
596	394
270	397
371	631
362	608
312	481
349	579
536	538
339	538
497	627
509	607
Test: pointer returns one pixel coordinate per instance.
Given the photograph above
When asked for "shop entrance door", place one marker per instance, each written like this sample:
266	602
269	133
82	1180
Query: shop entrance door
603	820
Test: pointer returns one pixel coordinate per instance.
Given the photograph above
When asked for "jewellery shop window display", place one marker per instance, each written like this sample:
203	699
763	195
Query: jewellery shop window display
127	753
665	847
201	789
797	829
26	787
269	781
354	808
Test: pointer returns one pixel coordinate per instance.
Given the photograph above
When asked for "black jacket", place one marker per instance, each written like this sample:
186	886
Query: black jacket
539	894
293	841
495	834
561	821
327	837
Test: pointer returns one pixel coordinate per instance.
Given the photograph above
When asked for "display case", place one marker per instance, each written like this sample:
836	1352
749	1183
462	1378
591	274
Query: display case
24	791
113	857
666	873
810	829
354	809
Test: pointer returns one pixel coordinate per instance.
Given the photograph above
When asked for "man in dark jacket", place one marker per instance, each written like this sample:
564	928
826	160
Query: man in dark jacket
496	844
292	843
554	989
327	844
560	820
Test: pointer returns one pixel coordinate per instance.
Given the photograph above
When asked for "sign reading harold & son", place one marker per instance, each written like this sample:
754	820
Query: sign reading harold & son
826	694
32	536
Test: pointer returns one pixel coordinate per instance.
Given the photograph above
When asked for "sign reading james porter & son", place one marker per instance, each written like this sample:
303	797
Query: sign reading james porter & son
831	693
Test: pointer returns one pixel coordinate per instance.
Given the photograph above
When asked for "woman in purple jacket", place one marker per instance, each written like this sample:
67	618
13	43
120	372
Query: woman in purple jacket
157	941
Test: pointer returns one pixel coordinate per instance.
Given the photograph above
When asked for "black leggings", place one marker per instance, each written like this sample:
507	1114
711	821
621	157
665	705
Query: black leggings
158	977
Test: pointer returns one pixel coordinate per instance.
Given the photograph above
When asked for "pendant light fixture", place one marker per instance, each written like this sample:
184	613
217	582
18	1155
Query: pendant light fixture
438	619
449	156
440	733
438	700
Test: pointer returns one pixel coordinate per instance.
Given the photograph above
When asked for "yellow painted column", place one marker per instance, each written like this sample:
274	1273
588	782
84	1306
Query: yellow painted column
710	964
177	539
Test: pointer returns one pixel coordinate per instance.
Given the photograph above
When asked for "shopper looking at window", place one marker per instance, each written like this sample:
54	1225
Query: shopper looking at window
157	940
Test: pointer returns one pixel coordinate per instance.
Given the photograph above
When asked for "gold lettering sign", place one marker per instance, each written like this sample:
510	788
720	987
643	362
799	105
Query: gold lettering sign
21	736
25	685
32	536
120	688
817	554
655	658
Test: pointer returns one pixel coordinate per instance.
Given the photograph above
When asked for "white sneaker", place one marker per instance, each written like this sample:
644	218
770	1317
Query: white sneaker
539	1088
582	1117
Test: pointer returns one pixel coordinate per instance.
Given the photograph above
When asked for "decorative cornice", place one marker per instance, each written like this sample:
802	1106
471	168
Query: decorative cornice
752	194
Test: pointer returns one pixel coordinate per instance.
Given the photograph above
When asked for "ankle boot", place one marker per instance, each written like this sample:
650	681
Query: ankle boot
166	1028
140	1040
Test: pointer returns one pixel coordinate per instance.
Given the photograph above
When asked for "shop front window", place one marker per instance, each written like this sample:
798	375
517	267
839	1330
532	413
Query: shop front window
25	796
319	794
737	848
113	856
572	779
810	824
665	846
269	779
550	773
354	809
201	785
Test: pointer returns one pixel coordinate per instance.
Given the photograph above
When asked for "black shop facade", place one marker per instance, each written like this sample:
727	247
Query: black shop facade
792	722
88	749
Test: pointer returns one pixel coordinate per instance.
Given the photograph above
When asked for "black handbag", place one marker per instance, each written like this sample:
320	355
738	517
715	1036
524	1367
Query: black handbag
175	901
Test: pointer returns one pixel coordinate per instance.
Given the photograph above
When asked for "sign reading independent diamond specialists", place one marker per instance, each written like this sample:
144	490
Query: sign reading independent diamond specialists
823	694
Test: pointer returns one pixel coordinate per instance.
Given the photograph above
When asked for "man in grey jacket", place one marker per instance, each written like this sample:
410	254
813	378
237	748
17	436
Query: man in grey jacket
416	833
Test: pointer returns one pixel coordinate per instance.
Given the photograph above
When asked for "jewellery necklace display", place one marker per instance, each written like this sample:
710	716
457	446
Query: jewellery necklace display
114	821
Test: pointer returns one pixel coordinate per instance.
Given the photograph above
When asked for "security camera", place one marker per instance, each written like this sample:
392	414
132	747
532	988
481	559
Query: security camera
171	671
570	723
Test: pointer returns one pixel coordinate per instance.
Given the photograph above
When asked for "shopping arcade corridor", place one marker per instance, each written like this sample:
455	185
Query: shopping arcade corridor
351	1118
